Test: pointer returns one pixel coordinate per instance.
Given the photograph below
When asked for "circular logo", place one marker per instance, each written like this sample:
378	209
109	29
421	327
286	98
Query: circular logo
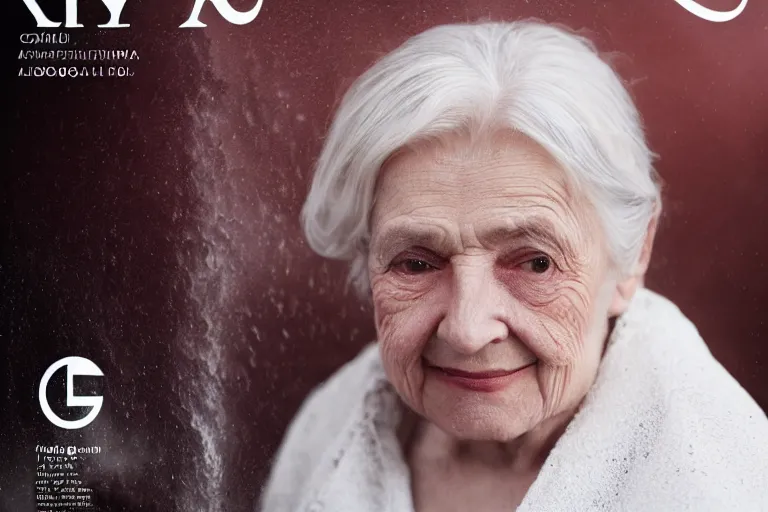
75	366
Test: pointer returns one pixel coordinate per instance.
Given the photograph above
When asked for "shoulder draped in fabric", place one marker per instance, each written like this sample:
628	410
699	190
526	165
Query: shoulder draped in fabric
664	427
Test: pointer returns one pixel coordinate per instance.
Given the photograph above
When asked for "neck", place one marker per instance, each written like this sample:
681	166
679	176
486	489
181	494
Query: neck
525	453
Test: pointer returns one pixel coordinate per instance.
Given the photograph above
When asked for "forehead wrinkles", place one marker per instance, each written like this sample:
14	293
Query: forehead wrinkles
463	186
452	169
513	167
477	203
411	186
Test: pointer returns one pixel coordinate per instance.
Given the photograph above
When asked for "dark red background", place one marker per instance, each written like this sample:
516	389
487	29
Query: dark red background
110	184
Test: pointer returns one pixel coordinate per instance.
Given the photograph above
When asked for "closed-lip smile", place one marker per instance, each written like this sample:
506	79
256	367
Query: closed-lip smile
485	381
478	375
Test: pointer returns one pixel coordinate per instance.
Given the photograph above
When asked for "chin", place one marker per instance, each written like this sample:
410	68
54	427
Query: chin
483	423
484	416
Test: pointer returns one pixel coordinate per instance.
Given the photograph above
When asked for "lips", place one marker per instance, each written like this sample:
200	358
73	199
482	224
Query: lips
485	381
477	375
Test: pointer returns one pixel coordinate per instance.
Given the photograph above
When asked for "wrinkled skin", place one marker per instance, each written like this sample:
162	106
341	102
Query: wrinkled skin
482	257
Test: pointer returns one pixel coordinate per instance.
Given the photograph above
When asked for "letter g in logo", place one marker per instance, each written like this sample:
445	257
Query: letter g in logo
75	366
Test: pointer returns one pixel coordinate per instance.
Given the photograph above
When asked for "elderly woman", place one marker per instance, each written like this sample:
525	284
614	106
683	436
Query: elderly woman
492	187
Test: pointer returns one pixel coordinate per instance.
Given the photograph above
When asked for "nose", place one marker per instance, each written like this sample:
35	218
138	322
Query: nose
474	314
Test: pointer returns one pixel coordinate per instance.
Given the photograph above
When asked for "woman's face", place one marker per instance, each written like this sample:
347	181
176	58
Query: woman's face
491	285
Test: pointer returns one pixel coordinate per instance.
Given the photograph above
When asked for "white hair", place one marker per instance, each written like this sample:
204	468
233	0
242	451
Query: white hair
537	79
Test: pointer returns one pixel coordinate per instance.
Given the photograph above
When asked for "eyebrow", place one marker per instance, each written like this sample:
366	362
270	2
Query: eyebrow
404	234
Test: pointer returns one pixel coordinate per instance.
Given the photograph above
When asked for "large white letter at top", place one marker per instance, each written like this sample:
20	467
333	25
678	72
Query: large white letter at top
709	14
227	11
115	7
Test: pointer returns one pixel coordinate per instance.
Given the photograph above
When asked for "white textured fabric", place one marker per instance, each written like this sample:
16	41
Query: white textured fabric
664	428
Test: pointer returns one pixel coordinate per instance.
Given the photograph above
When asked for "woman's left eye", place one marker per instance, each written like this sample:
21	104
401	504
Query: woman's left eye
539	265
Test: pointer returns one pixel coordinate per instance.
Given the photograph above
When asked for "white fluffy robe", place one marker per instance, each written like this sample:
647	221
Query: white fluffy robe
664	428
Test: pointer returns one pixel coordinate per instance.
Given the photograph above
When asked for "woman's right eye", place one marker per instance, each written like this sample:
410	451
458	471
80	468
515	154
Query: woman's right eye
413	266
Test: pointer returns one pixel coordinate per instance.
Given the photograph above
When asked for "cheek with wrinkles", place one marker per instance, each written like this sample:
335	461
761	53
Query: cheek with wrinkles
401	357
554	318
408	301
397	291
402	328
555	384
566	322
393	303
398	362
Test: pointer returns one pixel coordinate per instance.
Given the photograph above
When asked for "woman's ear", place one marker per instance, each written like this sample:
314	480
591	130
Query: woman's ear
626	287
